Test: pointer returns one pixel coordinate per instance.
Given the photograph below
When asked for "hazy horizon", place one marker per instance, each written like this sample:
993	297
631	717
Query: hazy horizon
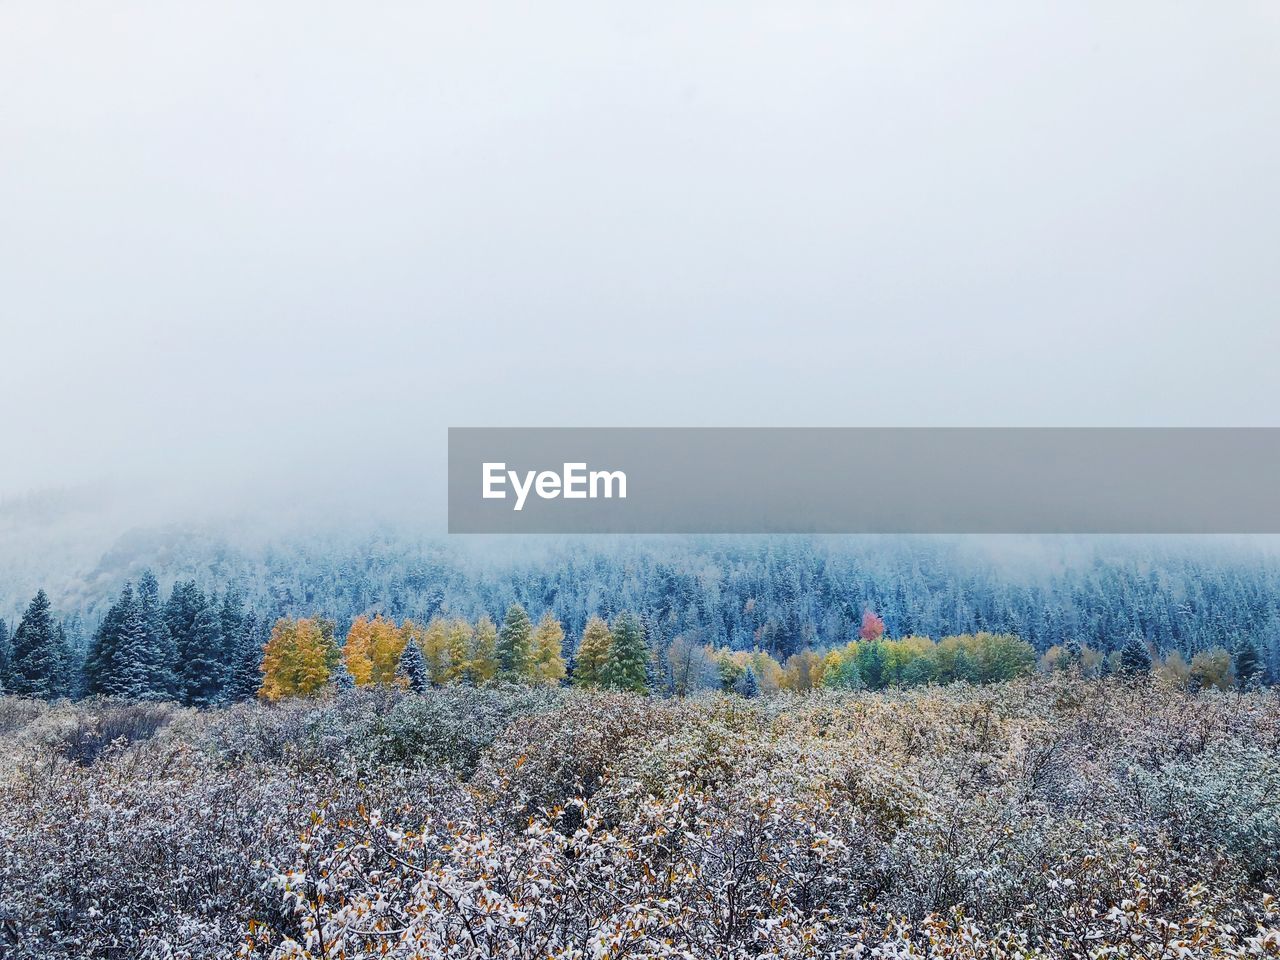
267	261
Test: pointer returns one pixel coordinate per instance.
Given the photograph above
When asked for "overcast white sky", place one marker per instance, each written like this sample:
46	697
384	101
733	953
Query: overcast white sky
293	242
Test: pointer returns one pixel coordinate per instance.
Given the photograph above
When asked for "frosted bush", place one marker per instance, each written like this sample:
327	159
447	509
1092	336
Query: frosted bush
1047	818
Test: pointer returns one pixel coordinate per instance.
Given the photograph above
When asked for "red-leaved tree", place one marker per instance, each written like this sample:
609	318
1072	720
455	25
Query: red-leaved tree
872	626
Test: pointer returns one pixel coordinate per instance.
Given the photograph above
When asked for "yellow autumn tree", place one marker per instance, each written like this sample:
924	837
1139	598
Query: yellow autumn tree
298	658
803	671
372	650
547	660
482	659
593	650
458	639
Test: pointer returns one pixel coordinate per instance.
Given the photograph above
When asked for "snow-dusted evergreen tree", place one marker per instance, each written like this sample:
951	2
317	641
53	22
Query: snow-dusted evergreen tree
244	673
132	672
67	666
625	668
231	617
342	678
101	660
1135	658
199	663
6	654
1248	665
658	676
412	668
749	685
37	658
514	642
158	649
180	610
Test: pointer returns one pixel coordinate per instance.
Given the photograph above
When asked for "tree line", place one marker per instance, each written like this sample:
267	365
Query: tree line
191	648
203	650
783	595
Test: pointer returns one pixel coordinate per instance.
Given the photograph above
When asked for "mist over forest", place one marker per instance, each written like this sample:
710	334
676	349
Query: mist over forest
779	594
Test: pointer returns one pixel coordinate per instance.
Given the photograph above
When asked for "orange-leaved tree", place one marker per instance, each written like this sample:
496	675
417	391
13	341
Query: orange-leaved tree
372	650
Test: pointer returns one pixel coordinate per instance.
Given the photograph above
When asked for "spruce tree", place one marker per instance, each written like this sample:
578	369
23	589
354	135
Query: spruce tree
64	677
342	678
514	641
180	610
231	618
37	660
1248	665
412	669
199	665
749	685
6	654
1135	658
626	665
131	672
101	660
161	682
244	674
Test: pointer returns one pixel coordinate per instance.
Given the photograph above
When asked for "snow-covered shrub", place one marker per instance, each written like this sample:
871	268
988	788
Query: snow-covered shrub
1052	817
1227	800
452	726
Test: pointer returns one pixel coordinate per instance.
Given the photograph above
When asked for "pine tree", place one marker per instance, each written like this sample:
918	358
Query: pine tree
185	601
161	681
625	666
37	661
548	655
1135	658
200	669
514	640
593	651
244	674
6	655
102	660
412	669
1248	665
749	685
132	660
342	678
64	678
231	617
